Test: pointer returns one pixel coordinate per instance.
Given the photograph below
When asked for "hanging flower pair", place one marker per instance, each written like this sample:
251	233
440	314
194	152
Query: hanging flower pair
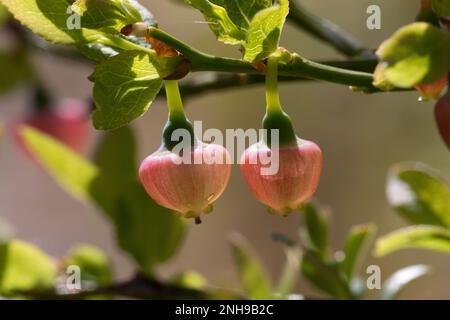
190	187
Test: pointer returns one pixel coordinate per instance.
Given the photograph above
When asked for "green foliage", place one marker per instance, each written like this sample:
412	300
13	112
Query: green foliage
4	14
149	233
190	279
15	69
125	86
398	281
325	275
24	267
416	54
356	241
415	237
93	263
419	194
442	7
110	16
263	35
253	277
317	229
256	25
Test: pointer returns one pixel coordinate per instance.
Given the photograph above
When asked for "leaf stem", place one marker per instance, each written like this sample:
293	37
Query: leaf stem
325	30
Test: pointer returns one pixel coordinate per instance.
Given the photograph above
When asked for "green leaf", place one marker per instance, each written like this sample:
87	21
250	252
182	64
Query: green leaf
356	241
76	175
229	20
397	282
325	275
116	156
289	274
49	19
415	237
253	277
24	267
125	86
4	14
110	15
263	35
317	229
150	233
93	263
15	69
442	7
419	194
416	54
190	280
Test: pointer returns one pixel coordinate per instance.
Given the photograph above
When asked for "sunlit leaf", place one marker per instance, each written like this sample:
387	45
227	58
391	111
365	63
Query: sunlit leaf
24	267
354	247
397	282
416	237
263	35
416	54
419	194
93	263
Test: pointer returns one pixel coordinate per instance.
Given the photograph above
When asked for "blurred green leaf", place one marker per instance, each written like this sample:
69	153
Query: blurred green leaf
289	274
419	194
116	156
150	233
15	69
397	282
4	14
317	229
356	241
416	237
93	263
77	175
325	275
416	54
189	279
263	35
253	277
442	7
125	86
24	267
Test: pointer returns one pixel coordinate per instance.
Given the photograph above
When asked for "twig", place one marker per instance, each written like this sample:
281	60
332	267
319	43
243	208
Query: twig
325	30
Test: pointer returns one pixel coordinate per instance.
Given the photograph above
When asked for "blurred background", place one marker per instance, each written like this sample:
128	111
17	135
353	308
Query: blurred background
361	137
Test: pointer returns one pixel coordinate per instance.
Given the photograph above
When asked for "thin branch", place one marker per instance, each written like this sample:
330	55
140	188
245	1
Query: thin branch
325	30
298	67
218	81
139	287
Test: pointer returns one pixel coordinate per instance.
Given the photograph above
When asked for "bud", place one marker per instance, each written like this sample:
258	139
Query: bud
297	179
187	187
68	123
432	90
442	115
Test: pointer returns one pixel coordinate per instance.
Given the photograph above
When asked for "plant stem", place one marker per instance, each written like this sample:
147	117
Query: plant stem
298	68
176	110
325	30
272	95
